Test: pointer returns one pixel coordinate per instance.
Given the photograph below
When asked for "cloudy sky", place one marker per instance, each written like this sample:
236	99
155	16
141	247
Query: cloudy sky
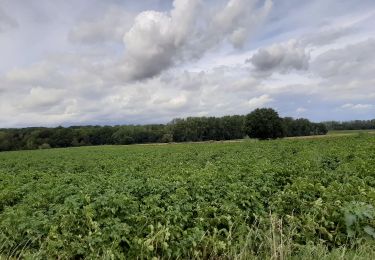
69	62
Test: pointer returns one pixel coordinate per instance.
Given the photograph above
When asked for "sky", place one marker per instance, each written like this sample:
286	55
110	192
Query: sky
81	62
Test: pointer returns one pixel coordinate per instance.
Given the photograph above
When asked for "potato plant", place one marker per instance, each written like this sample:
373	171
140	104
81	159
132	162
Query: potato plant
266	199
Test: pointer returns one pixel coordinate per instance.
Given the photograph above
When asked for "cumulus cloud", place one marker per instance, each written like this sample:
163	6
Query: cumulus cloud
283	58
158	40
294	55
260	101
337	75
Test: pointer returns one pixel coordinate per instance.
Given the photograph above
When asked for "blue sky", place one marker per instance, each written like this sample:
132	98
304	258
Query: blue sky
133	62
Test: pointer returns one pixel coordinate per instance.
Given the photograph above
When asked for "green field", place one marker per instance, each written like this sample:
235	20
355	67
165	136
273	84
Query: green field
339	132
301	198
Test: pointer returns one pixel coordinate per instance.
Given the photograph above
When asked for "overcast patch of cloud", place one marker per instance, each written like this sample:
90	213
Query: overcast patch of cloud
6	21
357	106
85	100
296	55
112	26
39	99
355	61
339	75
184	62
238	19
38	74
282	58
327	35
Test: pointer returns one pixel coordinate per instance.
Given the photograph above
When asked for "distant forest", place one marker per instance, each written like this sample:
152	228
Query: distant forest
178	130
351	125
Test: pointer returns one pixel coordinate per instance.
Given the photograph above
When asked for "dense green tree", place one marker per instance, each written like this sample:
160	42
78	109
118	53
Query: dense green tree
302	127
62	137
167	138
320	129
264	123
5	141
123	136
233	127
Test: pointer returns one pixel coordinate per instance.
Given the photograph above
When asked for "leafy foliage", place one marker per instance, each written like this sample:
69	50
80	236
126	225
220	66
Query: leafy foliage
179	130
350	125
213	200
264	123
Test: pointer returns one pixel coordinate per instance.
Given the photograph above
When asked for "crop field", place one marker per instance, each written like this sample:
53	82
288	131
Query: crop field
347	132
282	199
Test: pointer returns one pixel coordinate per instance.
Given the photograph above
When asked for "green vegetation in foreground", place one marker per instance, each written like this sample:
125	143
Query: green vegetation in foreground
307	198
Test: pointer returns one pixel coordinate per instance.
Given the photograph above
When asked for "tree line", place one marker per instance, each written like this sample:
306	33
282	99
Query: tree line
261	123
350	125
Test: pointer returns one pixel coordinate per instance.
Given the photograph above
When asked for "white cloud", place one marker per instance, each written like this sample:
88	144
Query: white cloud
156	39
357	106
40	99
238	18
159	40
37	74
281	58
258	102
346	73
110	27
